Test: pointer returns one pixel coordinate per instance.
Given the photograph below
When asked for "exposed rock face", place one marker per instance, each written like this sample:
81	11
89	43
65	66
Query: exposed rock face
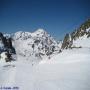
6	46
82	31
67	42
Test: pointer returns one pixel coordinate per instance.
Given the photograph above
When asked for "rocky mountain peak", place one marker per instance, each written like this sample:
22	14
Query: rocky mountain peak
83	32
37	43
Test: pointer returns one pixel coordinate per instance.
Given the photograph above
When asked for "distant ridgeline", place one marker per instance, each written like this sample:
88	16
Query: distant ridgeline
6	47
83	30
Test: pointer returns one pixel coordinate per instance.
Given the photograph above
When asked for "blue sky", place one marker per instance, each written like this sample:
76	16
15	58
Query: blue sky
57	17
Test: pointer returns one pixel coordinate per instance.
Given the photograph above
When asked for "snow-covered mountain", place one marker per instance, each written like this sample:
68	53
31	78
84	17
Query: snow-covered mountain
37	44
78	38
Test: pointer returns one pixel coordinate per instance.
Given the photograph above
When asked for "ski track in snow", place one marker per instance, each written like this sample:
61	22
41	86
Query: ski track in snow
69	70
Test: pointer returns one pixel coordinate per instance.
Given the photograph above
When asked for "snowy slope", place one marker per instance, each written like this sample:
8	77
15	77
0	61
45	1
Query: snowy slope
82	42
69	70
